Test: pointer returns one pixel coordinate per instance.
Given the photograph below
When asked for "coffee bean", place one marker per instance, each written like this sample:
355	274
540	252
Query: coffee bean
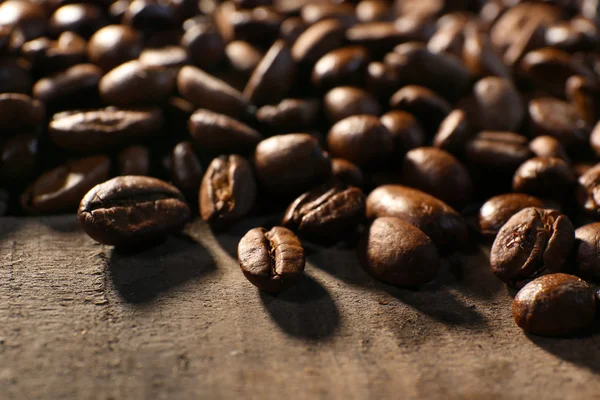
61	189
533	242
289	115
547	146
495	212
26	19
318	40
68	86
228	190
204	45
206	91
454	132
290	164
19	112
545	177
345	101
395	252
406	131
291	29
313	13
439	221
83	19
18	159
102	129
113	45
341	67
588	192
327	213
583	93
429	108
373	10
48	56
132	210
134	160
186	170
380	37
164	57
361	139
219	133
480	56
555	305
347	172
243	56
258	25
503	151
587	247
595	139
271	260
576	34
438	173
150	16
449	37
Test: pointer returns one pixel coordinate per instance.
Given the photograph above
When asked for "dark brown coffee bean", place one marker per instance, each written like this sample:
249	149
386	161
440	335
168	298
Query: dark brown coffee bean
186	170
406	131
449	37
204	45
438	173
361	139
243	56
345	101
113	45
373	10
547	146
132	210
134	160
480	56
581	168
27	20
150	16
595	139
258	25
340	67
583	94
219	133
587	253
19	156
290	164
273	77
14	76
454	132
99	130
555	305
498	150
65	86
61	189
429	108
271	260
291	29
228	190
394	251
495	212
327	213
576	34
206	91
380	37
164	57
318	40
83	19
545	177
19	112
533	242
48	56
588	192
312	13
439	221
556	118
290	115
347	172
381	81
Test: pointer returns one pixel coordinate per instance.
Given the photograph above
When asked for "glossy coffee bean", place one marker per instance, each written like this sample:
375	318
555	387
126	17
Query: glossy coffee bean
102	129
219	133
271	260
587	248
290	164
149	16
186	170
83	19
243	56
164	57
257	25
133	160
19	112
438	173
556	118
547	146
545	177
327	213
495	212
454	132
533	242
576	34
113	45
318	40
406	131
289	115
61	189
555	305
345	101
361	139
26	19
381	81
502	151
72	83
132	210
480	56
228	190
204	45
291	29
50	56
583	94
439	221
341	67
595	139
449	37
394	251
588	192
346	172
19	157
373	10
315	12
380	37
428	107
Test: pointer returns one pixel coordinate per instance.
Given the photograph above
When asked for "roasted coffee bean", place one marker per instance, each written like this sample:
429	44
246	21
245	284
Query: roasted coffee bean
380	37
290	164
449	37
555	305
439	221
134	160
406	131
132	210
429	108
347	172
480	56
289	115
19	156
204	45
150	16
576	34
219	133
587	251
291	29
588	192
113	45
164	57
61	189
83	19
228	190
438	173
533	242
243	56
273	77
27	20
258	25
318	40
583	94
49	56
373	10
381	81
315	12
345	101
545	177
556	118
502	151
495	212
547	146
595	139
186	170
454	132
327	213
74	83
341	67
102	129
19	112
581	168
361	139
271	260
206	91
394	251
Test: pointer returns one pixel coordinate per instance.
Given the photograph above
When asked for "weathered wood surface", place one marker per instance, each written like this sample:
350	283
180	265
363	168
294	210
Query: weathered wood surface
79	320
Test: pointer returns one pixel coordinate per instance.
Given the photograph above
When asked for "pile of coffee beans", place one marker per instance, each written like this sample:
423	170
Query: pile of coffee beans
407	129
